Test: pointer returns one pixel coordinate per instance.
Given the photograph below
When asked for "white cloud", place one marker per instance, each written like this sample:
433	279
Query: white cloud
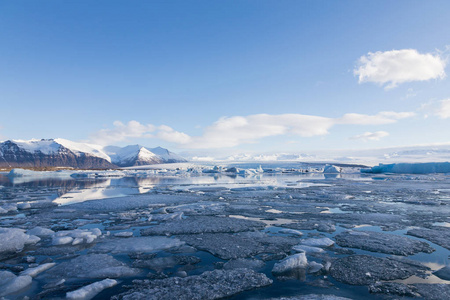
384	117
370	136
122	132
233	131
444	110
399	66
166	133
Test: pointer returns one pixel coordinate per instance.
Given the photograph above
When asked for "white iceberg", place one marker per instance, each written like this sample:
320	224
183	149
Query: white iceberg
90	291
321	242
14	239
10	283
410	168
298	260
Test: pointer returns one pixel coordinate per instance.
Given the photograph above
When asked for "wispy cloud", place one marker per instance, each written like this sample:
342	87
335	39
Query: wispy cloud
122	132
444	109
1	136
399	66
370	136
436	108
237	130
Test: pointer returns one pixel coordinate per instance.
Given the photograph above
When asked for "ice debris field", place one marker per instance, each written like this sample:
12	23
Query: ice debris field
186	231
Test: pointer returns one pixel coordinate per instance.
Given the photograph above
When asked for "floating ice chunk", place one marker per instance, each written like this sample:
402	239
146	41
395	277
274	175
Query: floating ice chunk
330	169
123	234
322	242
33	272
253	264
365	269
24	205
92	266
9	207
76	236
10	283
90	291
307	249
77	241
215	284
382	242
137	244
62	240
28	173
298	260
40	231
203	224
14	239
291	231
314	267
410	168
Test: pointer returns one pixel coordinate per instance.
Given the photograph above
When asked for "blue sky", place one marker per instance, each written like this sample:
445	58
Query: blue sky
197	75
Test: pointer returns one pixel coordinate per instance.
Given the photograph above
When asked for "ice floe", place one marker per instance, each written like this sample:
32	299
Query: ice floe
207	286
90	291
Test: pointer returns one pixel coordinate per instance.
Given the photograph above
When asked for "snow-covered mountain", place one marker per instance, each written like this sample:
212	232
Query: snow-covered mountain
65	153
137	155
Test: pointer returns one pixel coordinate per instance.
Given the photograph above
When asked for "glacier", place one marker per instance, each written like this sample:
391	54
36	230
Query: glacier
410	168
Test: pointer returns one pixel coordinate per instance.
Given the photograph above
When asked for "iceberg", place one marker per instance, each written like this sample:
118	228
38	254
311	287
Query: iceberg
410	168
291	262
15	239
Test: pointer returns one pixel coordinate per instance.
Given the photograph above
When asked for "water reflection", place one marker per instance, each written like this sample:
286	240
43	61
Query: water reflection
68	190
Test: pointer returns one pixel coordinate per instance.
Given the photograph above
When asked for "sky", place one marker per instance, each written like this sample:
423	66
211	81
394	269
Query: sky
226	76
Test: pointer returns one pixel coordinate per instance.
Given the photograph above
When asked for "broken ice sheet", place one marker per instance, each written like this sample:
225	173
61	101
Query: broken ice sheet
92	266
136	244
203	224
382	242
240	245
365	269
215	284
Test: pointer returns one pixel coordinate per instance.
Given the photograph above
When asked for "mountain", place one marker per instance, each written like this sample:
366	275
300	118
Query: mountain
65	153
133	155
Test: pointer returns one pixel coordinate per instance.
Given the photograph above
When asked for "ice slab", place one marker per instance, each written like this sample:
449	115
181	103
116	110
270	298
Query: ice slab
410	168
440	236
40	231
203	224
382	242
161	263
210	285
92	266
364	269
291	262
10	283
254	264
14	240
240	245
307	249
33	272
320	242
137	244
90	291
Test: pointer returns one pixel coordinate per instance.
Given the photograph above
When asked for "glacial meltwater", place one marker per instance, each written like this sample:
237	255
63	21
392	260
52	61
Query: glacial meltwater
240	232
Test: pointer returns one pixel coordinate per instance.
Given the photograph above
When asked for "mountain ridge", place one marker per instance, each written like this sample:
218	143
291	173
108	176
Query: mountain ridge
66	153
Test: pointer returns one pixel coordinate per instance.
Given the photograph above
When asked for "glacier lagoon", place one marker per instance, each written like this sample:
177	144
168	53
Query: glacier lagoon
282	230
